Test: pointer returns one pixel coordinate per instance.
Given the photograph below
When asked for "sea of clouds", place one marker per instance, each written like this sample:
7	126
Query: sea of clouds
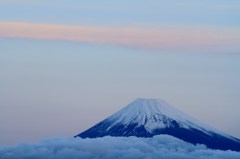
158	147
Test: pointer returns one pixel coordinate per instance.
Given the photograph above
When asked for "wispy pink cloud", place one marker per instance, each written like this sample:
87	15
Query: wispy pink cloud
172	38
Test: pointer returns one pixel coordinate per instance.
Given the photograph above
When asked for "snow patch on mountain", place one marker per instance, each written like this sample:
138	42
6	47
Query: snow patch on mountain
157	114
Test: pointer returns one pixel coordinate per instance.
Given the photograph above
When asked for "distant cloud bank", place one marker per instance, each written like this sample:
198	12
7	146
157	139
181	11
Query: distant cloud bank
164	38
162	146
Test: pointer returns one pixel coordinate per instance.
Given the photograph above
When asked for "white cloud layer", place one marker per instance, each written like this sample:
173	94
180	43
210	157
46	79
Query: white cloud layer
162	146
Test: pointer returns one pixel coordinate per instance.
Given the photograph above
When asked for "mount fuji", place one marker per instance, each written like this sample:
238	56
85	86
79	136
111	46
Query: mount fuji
149	117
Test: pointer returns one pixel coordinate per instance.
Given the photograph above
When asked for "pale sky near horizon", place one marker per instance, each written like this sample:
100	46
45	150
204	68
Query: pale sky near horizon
66	65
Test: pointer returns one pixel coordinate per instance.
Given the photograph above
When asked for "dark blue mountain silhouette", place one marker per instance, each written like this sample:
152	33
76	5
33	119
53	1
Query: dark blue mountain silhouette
149	117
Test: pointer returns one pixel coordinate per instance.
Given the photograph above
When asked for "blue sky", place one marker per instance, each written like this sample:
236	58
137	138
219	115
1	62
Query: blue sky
153	13
187	53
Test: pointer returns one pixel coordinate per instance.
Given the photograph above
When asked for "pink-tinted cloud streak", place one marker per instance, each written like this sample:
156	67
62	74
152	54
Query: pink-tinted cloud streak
170	38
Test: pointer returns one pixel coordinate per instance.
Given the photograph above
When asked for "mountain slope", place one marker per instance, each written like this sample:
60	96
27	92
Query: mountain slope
149	117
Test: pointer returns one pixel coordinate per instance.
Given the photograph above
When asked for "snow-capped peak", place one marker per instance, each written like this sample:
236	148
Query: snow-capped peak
145	108
148	117
156	114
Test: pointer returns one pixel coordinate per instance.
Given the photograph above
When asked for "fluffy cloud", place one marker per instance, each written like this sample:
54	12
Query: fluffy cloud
162	146
164	38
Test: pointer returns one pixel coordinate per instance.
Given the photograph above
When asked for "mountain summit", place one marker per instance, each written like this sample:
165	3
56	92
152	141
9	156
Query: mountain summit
149	117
